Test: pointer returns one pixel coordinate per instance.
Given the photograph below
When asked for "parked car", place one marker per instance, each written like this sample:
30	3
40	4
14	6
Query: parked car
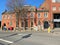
10	28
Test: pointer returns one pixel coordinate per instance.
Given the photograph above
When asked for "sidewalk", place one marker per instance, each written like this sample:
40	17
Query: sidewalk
55	33
22	31
55	30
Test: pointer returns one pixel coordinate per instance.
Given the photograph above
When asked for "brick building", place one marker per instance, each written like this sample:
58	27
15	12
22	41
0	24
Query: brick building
47	14
54	12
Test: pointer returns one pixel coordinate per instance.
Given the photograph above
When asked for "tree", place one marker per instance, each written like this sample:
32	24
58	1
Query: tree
18	7
15	5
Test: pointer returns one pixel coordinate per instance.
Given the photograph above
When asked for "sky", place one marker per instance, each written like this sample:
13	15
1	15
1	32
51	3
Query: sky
36	3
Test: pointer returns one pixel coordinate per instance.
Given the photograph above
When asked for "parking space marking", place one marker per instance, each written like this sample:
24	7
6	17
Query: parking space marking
6	41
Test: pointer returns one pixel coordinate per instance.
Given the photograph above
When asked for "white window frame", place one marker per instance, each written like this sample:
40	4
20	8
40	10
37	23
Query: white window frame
46	14
5	16
59	8
54	8
53	1
9	16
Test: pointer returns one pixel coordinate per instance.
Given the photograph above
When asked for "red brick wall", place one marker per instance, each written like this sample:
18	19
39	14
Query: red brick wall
9	19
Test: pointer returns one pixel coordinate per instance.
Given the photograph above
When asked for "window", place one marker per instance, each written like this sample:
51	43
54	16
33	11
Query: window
10	23
38	15
54	8
31	15
59	8
32	9
5	17
9	16
45	14
53	1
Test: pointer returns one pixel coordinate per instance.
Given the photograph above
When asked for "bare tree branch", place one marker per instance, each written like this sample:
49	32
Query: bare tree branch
18	7
15	4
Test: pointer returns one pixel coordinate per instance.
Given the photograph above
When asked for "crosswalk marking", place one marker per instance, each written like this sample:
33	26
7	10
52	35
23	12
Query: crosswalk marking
6	41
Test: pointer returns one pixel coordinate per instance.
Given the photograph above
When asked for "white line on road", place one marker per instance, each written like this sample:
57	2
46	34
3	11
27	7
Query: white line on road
20	34
11	41
6	41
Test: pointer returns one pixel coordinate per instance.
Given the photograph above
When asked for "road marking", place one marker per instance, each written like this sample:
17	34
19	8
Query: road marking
6	41
20	34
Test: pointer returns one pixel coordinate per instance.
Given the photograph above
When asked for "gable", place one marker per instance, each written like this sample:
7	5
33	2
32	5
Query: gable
45	5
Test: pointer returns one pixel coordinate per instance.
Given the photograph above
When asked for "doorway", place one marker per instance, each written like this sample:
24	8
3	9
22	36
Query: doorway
46	24
56	17
0	24
56	24
26	24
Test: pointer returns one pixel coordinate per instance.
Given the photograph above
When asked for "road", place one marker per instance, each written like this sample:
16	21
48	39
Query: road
29	38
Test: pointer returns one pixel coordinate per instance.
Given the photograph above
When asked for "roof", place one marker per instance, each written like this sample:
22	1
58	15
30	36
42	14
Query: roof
8	12
27	7
45	5
42	10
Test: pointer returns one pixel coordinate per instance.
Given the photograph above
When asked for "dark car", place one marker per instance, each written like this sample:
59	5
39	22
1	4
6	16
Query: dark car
10	28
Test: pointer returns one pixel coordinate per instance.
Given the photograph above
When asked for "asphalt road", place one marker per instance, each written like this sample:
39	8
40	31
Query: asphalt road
29	38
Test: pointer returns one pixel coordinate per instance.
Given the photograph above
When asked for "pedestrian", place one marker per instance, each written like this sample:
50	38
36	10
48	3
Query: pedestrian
49	29
4	28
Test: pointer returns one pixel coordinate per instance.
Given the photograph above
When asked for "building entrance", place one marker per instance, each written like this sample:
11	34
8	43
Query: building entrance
46	24
56	24
56	17
26	24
